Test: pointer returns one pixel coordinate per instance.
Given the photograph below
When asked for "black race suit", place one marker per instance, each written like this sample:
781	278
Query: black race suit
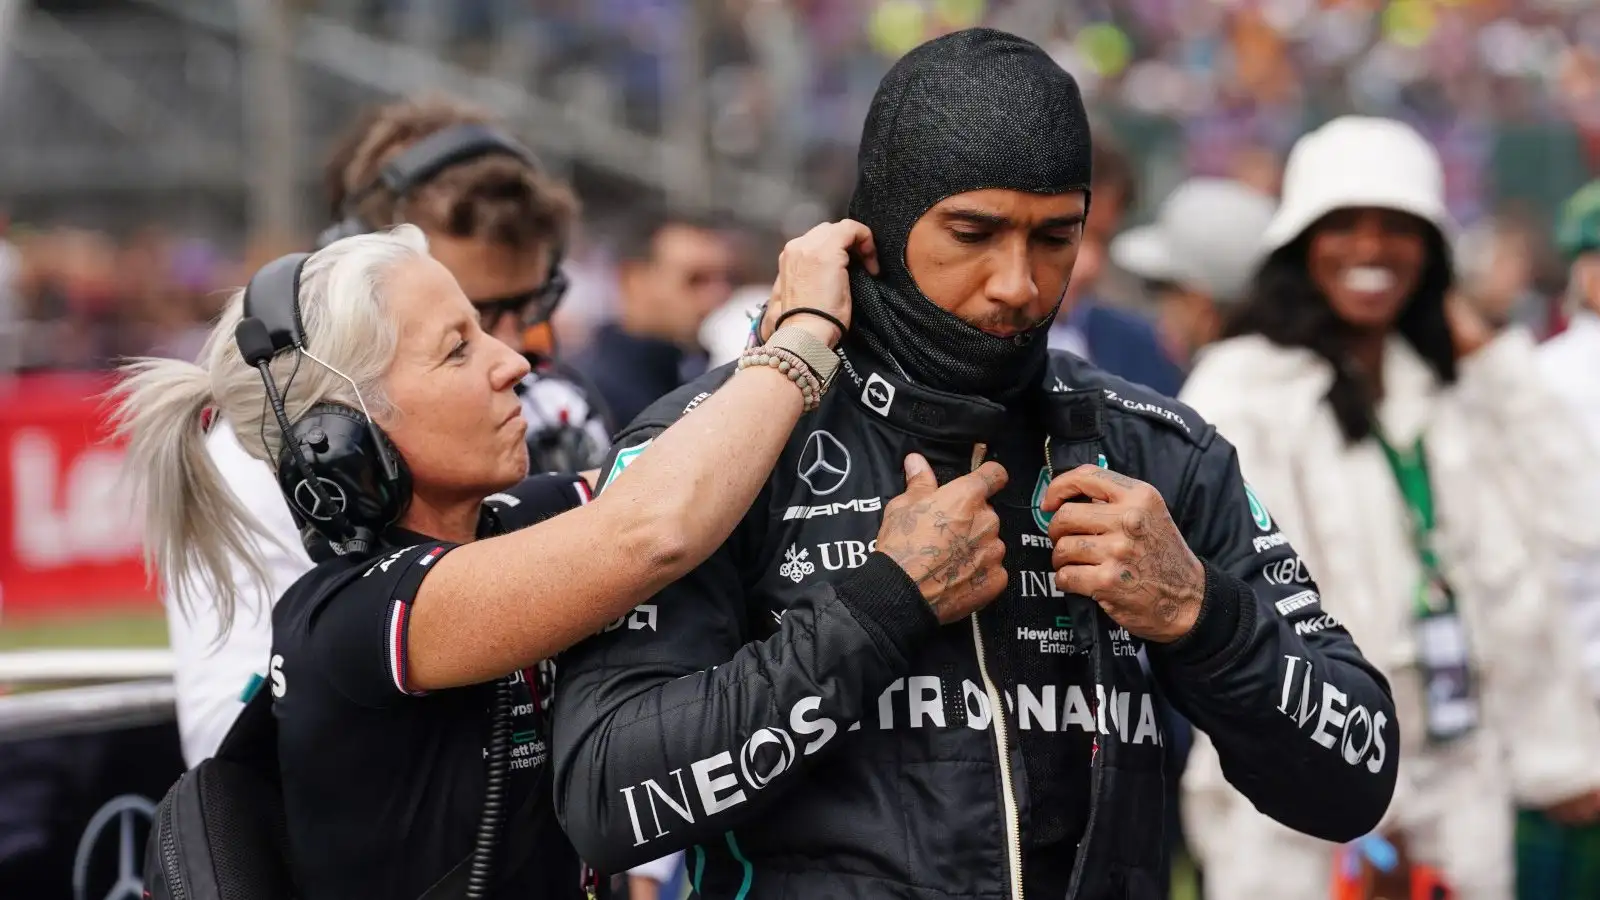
792	713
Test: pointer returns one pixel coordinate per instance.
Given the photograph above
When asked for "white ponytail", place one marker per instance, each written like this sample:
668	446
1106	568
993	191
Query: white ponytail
196	530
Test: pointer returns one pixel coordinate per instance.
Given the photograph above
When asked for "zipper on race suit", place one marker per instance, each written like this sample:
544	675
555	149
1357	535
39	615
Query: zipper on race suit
1097	769
1008	794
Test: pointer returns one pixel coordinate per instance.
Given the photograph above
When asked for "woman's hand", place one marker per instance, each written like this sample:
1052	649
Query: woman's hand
812	272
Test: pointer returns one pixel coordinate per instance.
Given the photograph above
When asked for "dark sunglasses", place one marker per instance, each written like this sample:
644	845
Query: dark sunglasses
531	308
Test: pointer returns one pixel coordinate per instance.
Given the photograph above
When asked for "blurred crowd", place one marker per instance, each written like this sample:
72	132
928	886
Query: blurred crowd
1231	83
1240	79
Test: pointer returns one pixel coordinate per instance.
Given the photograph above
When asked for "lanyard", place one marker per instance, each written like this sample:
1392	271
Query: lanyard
1410	469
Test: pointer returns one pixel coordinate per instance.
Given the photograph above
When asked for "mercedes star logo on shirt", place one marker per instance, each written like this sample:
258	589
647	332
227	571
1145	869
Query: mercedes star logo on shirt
321	507
824	463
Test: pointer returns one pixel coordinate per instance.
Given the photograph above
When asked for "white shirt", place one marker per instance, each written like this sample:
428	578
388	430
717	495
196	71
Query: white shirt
211	677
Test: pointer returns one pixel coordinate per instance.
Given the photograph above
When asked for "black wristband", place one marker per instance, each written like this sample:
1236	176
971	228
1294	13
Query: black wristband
806	310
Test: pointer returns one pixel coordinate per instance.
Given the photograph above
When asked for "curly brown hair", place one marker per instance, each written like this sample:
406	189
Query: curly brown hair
495	198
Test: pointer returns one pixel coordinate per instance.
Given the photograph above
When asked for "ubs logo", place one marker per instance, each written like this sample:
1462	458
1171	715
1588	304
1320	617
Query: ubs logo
122	827
824	463
320	506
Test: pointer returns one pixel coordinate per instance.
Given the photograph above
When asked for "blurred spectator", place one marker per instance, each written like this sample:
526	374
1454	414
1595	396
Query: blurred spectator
1557	861
1495	272
1392	437
1197	258
661	879
673	272
1121	342
726	332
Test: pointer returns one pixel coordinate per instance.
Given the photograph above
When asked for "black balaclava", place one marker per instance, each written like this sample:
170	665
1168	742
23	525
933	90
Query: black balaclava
971	110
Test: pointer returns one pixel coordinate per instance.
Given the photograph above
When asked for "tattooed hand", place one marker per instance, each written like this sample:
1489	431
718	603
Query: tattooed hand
948	538
1124	552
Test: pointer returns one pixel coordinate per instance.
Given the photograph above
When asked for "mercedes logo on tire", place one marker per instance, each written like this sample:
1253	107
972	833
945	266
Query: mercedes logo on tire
321	507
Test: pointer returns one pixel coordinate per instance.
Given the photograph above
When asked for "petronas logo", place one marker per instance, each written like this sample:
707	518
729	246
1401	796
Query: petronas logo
1040	517
1257	510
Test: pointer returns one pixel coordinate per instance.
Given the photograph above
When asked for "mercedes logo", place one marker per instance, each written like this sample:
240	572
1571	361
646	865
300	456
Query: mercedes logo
313	503
824	463
120	815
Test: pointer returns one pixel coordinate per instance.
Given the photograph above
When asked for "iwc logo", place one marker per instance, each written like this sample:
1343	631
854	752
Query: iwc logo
323	506
110	846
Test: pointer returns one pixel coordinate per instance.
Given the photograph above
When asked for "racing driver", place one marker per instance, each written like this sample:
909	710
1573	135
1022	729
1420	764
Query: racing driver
742	714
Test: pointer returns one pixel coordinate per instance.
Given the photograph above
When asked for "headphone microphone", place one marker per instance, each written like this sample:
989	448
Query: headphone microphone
343	479
255	345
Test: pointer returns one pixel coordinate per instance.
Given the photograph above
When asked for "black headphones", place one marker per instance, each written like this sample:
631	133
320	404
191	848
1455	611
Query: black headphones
344	480
418	164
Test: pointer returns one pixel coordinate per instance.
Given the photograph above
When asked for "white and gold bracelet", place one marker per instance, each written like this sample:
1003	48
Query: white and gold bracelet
798	354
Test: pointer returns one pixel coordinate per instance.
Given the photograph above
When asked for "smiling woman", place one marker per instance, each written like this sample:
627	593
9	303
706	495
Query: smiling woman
1397	452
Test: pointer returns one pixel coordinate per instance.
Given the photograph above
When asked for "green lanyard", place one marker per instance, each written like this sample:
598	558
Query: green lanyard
1411	472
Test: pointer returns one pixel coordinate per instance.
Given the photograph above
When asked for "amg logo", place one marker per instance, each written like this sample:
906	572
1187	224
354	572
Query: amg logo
1275	539
862	504
1301	600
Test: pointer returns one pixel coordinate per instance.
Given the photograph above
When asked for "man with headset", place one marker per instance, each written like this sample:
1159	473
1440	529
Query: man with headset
498	223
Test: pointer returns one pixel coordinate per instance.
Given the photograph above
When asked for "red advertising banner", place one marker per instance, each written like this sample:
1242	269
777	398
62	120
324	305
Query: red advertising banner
69	535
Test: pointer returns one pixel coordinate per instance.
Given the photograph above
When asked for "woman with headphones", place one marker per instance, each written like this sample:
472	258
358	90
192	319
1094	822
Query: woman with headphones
498	222
403	678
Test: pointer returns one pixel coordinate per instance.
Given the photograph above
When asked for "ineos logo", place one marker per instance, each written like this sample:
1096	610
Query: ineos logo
824	463
118	819
758	779
320	506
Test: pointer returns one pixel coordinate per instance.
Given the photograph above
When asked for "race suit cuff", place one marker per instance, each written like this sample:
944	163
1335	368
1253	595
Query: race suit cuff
887	603
1227	616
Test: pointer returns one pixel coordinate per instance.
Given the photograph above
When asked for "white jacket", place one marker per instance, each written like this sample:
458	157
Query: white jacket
1571	362
1511	491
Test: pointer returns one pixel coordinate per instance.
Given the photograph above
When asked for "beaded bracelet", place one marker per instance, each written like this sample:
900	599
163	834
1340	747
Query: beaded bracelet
792	366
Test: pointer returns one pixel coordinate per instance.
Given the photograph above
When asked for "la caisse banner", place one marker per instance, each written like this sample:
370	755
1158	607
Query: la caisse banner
69	535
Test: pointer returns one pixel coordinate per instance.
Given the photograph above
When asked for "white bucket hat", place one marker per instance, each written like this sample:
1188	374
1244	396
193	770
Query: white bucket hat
1358	161
1206	236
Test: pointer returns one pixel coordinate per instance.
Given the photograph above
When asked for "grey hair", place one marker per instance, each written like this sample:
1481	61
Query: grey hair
196	531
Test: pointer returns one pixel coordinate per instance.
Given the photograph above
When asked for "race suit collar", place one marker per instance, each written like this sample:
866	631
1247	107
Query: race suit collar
880	389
